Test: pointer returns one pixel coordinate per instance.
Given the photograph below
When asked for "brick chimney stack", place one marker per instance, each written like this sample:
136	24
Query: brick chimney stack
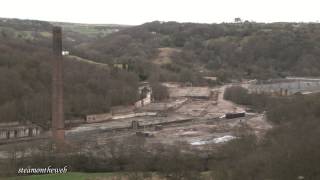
57	87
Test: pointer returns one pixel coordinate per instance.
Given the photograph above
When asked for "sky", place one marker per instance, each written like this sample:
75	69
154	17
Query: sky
135	12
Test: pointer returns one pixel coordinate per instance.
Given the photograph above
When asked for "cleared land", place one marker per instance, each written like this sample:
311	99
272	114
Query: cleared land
186	117
164	56
192	115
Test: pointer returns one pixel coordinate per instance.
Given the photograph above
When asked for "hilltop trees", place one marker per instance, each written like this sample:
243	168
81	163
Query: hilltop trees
247	50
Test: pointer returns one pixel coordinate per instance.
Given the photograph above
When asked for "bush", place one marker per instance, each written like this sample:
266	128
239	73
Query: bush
238	95
159	92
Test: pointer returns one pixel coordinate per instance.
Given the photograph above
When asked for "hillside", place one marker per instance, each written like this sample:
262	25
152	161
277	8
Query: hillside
25	55
73	34
156	51
234	50
165	55
167	52
91	30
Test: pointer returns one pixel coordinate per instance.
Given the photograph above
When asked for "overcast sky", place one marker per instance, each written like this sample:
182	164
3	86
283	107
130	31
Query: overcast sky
133	12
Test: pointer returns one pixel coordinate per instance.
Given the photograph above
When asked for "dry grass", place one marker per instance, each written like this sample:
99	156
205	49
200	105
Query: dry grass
165	54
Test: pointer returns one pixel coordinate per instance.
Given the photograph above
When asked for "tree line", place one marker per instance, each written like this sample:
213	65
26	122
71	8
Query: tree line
288	151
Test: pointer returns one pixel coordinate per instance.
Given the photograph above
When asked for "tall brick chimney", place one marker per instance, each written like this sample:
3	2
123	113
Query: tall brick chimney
57	87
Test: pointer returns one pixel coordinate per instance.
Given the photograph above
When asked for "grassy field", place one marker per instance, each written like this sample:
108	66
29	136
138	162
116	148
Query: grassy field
87	61
66	176
164	56
94	176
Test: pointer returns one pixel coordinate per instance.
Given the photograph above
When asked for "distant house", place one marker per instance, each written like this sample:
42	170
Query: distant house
237	20
14	130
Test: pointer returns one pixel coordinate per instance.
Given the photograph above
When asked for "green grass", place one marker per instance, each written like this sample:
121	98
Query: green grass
46	34
66	176
87	61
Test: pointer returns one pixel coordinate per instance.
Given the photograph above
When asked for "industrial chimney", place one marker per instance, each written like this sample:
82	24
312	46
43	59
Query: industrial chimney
57	87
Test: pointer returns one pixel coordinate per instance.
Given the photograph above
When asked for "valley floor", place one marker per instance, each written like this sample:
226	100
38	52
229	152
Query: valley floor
197	122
